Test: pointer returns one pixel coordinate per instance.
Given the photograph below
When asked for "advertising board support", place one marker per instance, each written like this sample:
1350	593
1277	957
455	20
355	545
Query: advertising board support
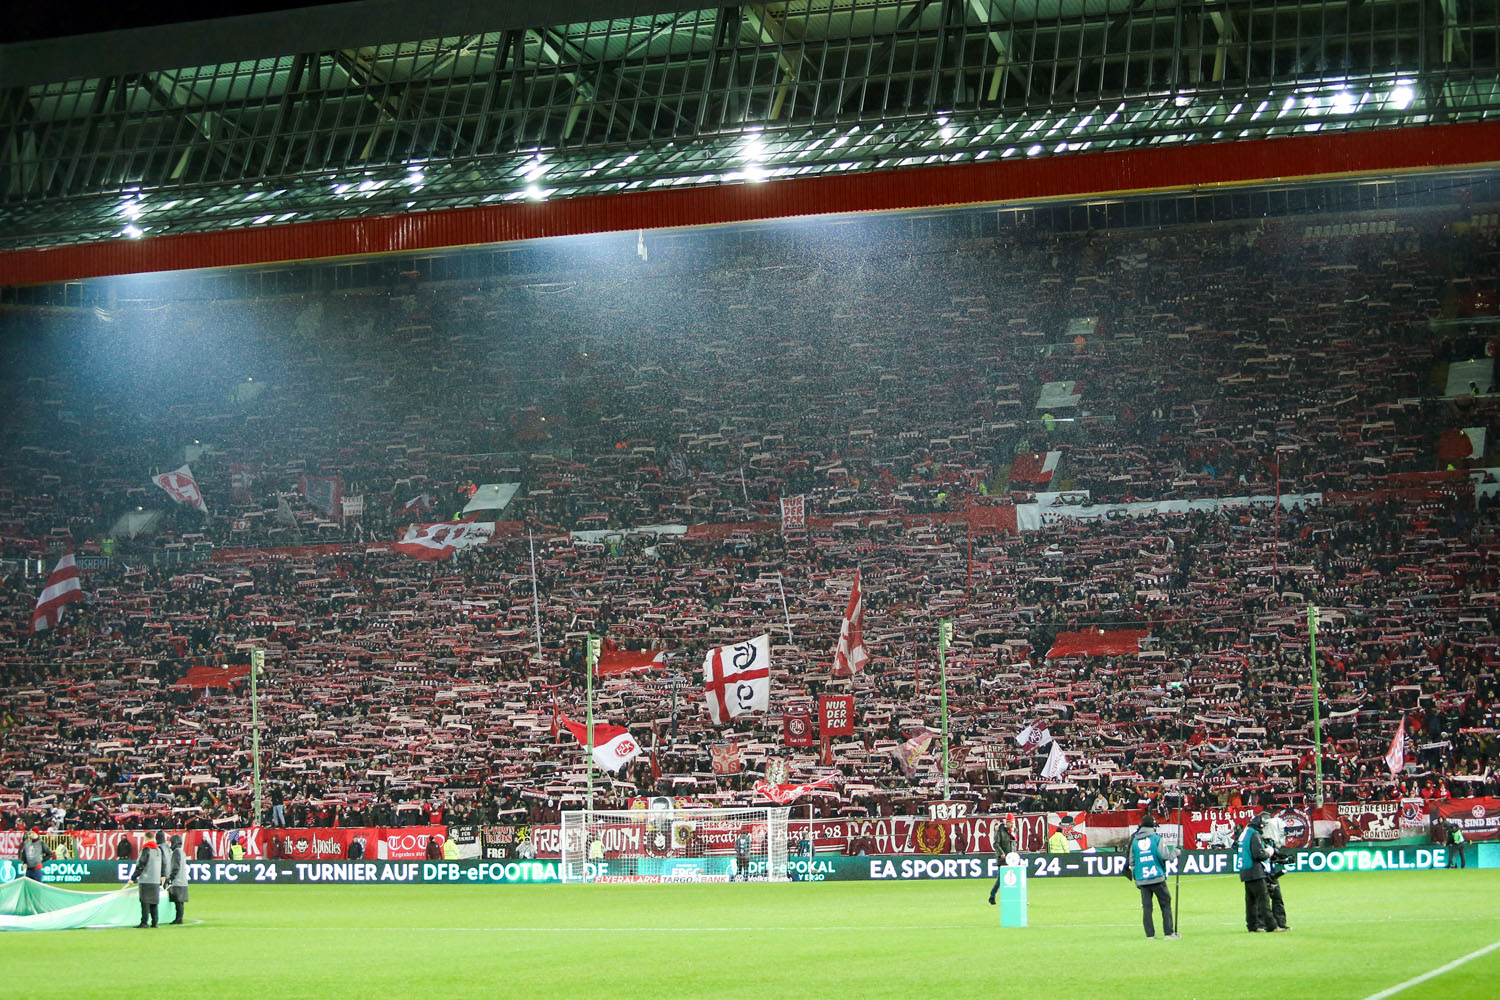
1013	896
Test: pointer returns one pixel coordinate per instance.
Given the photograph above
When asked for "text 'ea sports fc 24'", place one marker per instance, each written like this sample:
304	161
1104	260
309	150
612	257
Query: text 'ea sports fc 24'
675	845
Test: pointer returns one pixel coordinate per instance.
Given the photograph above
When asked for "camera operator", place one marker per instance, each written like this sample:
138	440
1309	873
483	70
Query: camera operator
1274	832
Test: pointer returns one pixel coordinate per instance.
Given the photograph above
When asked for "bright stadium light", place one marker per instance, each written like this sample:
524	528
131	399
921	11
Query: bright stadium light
132	232
1343	103
1402	96
1034	149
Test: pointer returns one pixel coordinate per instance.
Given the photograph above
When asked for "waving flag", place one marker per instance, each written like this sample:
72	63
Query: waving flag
1034	467
421	502
785	794
439	541
1057	762
1395	757
851	657
182	487
614	661
614	747
910	752
1033	736
737	679
62	588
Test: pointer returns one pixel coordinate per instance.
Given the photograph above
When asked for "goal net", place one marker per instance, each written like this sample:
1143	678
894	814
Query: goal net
675	845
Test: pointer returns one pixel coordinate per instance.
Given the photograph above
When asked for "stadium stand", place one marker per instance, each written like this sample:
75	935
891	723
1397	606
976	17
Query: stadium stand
900	389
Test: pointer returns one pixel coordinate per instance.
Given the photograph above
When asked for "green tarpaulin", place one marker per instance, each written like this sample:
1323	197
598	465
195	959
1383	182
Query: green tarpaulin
29	905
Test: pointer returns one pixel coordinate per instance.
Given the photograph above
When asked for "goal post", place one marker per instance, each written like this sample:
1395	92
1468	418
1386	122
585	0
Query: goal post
676	845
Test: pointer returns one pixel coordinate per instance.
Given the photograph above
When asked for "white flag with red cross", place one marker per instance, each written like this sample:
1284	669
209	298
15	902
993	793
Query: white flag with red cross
182	487
737	678
614	747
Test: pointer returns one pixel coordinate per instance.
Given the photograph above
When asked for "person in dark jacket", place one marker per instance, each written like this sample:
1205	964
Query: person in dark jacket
205	851
1253	857
1005	846
147	876
124	850
435	847
1148	867
34	853
356	849
177	876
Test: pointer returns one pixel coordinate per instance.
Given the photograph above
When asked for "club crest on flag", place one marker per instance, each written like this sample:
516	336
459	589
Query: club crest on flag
180	485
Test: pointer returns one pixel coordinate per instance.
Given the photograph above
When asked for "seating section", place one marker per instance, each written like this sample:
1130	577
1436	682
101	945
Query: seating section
654	416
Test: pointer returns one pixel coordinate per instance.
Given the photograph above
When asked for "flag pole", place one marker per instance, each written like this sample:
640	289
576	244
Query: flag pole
536	604
945	635
1312	655
785	612
257	663
592	658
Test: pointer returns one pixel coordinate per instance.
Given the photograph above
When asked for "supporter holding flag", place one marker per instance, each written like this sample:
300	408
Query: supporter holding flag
850	657
62	589
613	748
1033	737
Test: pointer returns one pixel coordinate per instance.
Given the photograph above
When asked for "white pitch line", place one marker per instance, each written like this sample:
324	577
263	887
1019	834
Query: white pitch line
1415	980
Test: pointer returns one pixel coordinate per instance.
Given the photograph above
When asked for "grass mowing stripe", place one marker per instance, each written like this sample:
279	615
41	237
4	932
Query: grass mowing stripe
1434	973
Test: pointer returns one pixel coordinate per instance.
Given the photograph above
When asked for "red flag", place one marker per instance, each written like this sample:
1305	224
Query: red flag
1395	757
614	661
62	588
614	747
439	541
417	503
850	657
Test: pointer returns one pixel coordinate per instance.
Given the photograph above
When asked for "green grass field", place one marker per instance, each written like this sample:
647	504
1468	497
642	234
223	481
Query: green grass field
1353	936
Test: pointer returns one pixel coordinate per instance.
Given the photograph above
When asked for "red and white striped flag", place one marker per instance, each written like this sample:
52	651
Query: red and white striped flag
62	588
851	657
1395	757
614	747
182	487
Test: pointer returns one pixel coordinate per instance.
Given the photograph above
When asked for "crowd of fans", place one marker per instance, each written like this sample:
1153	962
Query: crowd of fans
894	386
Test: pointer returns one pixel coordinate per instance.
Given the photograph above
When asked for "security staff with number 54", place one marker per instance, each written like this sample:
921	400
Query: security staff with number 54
1148	867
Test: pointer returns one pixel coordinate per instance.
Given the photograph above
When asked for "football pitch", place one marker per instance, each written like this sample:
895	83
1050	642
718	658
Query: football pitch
1354	936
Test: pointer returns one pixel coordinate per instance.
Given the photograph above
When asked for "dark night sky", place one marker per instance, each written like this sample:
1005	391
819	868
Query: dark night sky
28	21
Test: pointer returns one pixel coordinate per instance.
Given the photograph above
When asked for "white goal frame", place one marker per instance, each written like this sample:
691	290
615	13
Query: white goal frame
676	845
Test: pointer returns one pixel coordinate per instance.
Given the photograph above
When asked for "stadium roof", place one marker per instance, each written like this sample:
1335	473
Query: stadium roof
385	108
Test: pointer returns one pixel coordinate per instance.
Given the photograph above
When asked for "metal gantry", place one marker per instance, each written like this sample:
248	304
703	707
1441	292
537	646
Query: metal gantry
710	96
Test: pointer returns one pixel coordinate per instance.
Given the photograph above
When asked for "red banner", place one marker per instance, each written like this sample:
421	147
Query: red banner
1479	819
796	729
836	714
911	835
406	843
